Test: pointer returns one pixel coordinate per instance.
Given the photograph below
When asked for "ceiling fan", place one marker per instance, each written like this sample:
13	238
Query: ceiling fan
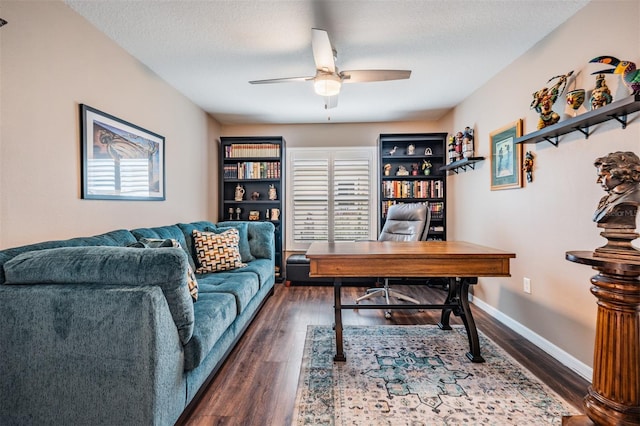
328	80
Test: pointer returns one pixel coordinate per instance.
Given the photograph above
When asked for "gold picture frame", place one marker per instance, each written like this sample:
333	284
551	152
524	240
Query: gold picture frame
506	157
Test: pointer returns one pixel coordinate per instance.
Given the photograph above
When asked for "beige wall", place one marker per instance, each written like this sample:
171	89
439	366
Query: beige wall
52	60
330	134
547	217
552	214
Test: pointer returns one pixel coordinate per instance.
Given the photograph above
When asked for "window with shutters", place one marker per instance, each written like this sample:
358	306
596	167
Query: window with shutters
331	195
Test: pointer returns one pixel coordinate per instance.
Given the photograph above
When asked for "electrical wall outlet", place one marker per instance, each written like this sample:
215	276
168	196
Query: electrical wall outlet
526	285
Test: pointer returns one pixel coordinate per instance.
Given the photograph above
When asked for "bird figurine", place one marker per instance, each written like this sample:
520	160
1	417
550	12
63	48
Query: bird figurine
630	75
393	151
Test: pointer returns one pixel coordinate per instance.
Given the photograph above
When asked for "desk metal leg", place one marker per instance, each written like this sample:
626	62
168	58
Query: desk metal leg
451	297
467	319
459	294
337	290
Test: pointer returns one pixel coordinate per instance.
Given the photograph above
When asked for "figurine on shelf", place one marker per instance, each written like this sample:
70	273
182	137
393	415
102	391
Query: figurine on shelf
458	145
527	166
544	99
402	171
254	215
393	151
630	75
601	95
451	146
387	169
230	213
428	151
411	149
275	214
255	195
238	211
239	193
575	99
467	142
414	169
273	194
426	167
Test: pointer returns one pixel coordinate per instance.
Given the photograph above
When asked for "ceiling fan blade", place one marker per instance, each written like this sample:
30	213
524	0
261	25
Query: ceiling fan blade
282	80
330	101
322	50
366	76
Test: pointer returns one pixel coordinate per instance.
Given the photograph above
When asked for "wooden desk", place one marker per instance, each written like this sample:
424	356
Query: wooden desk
461	261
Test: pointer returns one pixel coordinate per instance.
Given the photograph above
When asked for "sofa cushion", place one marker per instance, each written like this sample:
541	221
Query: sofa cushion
243	244
192	282
262	268
261	238
120	237
187	231
214	313
217	252
111	266
165	232
242	285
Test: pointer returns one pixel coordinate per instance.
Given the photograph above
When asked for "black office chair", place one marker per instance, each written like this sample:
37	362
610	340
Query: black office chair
405	222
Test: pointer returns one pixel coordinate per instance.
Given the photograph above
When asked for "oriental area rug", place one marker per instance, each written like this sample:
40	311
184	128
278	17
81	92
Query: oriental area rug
417	375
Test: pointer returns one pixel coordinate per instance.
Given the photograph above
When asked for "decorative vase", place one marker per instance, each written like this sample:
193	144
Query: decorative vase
427	172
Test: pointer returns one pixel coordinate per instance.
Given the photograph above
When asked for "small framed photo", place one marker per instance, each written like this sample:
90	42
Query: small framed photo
120	161
506	157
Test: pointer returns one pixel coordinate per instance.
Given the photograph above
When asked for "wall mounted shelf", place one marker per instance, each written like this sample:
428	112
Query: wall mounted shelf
614	111
456	166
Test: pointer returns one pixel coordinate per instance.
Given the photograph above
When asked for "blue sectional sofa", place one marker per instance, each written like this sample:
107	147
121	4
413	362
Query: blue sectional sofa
96	332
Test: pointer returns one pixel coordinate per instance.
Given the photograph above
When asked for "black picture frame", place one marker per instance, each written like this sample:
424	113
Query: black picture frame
120	161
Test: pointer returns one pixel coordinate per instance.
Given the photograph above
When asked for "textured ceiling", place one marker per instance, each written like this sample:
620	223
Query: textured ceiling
209	50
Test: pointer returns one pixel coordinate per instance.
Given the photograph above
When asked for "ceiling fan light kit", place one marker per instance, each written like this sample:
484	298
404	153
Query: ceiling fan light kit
327	84
328	80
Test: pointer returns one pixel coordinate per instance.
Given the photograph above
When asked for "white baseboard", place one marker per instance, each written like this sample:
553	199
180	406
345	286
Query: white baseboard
563	357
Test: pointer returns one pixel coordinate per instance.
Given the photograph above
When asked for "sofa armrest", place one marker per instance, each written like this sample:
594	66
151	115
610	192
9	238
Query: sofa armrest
78	354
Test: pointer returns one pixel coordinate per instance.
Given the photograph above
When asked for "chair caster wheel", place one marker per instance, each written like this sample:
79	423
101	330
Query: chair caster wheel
387	315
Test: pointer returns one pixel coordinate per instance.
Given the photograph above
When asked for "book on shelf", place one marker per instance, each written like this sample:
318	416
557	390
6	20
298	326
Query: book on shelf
253	170
245	150
413	189
437	208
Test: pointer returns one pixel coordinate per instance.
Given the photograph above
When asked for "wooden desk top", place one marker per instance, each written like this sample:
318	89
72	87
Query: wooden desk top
406	259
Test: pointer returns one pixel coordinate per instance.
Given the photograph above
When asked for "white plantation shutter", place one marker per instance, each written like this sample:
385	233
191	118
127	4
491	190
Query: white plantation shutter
351	197
310	185
331	196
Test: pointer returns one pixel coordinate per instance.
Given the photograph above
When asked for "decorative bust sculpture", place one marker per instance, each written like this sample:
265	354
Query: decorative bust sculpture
619	175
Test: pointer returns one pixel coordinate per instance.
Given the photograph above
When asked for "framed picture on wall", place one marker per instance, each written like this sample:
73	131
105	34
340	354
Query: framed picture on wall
506	157
120	161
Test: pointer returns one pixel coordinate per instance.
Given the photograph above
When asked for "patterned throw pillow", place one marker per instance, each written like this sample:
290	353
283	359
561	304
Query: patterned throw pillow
170	242
217	252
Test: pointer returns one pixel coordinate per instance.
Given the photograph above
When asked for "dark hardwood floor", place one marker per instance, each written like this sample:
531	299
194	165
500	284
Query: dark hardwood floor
257	384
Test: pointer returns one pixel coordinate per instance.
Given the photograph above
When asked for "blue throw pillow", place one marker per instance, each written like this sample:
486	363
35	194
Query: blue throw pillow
243	246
